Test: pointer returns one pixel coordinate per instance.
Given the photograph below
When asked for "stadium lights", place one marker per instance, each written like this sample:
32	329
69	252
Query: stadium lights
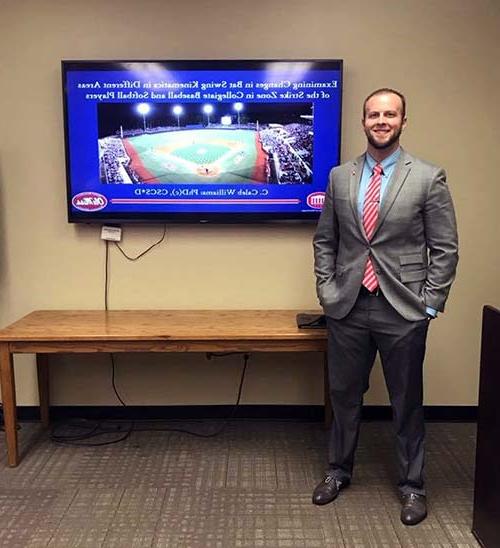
144	109
238	107
208	109
178	110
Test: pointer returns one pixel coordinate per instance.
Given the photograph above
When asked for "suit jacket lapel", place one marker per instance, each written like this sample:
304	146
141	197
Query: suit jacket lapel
354	180
399	175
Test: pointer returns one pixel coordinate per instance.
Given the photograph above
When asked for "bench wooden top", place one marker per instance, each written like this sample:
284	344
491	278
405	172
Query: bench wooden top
159	325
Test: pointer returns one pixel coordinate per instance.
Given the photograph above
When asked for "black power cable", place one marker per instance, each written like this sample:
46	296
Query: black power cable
89	431
106	276
137	257
106	293
113	371
86	430
128	257
103	427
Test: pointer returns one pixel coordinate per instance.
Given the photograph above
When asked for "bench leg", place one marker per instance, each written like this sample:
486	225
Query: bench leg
42	367
8	386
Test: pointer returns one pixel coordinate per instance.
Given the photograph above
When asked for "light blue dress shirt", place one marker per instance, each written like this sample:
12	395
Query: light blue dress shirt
388	165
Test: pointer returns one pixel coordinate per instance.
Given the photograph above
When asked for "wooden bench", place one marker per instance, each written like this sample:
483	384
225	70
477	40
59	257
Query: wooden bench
45	332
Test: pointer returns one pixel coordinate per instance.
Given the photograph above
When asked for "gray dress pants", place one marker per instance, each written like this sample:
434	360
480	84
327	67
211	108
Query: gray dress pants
373	325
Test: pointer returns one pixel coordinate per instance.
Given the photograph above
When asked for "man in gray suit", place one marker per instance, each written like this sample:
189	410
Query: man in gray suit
385	257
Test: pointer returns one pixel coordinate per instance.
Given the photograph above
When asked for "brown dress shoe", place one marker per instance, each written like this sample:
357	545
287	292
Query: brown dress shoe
328	490
414	509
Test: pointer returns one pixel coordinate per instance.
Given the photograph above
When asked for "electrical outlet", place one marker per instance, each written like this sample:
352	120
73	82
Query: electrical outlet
111	233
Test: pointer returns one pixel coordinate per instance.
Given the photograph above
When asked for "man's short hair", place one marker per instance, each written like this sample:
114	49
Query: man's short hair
386	90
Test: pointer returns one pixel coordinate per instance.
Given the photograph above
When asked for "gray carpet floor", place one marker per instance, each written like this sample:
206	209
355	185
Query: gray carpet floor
250	486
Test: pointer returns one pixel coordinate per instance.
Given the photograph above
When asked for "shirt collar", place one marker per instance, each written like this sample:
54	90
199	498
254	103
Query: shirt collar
386	163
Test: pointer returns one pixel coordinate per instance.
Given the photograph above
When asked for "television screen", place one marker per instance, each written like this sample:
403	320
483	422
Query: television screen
200	141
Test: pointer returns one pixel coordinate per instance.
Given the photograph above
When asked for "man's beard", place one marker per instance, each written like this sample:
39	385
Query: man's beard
380	146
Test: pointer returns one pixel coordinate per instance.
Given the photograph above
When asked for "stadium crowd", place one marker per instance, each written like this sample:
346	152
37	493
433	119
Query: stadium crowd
113	162
290	150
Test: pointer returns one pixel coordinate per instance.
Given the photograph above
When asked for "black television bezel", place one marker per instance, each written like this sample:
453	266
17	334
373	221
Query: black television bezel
181	217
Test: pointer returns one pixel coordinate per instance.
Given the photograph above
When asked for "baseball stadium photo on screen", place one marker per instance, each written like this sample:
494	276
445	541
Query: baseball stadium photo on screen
198	141
191	143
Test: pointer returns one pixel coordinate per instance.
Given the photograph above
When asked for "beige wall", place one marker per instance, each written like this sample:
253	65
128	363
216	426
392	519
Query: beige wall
443	54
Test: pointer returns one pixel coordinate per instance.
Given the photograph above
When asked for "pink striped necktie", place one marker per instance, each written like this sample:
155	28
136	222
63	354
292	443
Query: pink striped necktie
370	217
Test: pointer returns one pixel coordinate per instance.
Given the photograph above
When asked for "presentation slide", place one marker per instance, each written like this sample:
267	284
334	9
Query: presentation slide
186	138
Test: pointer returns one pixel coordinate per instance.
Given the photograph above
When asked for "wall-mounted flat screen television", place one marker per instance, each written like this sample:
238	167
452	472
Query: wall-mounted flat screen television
200	141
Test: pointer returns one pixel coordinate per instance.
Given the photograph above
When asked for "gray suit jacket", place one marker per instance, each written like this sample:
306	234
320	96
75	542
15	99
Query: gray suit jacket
414	247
